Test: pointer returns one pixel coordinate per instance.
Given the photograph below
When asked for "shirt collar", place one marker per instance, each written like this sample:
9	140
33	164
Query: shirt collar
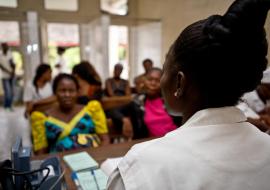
214	116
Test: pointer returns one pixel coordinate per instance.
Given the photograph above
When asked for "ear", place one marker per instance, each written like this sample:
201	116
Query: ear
180	84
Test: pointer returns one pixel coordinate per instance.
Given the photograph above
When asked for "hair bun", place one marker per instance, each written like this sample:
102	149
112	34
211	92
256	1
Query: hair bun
243	17
246	14
214	28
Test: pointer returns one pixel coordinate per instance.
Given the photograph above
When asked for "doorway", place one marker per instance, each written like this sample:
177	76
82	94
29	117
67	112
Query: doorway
119	49
63	46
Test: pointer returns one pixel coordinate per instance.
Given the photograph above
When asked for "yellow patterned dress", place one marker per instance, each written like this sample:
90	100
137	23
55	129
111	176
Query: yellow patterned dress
56	135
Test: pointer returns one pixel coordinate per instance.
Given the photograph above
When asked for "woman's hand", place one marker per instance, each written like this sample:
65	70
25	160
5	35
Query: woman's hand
29	108
265	118
259	123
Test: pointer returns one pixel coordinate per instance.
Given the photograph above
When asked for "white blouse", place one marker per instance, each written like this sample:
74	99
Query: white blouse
254	101
214	149
31	94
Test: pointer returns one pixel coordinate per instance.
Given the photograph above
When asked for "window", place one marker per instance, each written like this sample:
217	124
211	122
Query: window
118	48
10	32
62	5
117	7
8	3
65	36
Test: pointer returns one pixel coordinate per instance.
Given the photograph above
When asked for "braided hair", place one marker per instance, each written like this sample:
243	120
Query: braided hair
224	56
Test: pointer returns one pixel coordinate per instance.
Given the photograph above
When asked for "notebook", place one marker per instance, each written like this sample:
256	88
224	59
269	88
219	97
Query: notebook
92	180
80	161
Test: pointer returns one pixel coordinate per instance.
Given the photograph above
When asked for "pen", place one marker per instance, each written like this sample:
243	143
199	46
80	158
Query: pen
94	176
74	177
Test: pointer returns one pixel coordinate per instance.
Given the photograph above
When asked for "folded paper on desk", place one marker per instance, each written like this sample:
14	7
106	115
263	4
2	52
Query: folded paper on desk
110	164
80	161
92	180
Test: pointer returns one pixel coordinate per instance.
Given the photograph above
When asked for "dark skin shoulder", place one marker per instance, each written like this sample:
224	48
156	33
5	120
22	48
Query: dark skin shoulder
65	116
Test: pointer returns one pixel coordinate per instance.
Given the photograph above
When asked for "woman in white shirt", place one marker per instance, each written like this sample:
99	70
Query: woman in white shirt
39	92
208	68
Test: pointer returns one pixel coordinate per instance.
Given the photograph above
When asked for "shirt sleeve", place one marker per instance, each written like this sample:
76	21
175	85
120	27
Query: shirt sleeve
115	181
247	110
38	130
28	93
98	116
254	102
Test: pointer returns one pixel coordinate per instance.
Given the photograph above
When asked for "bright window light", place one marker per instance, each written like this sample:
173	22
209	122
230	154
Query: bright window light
10	32
64	5
116	7
8	3
63	34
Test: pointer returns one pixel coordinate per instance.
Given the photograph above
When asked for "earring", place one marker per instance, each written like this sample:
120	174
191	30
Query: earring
178	93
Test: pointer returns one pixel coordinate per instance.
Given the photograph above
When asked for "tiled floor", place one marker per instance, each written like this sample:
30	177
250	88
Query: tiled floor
12	124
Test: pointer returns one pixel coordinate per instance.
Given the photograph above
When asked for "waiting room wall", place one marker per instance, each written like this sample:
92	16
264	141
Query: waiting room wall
177	14
174	15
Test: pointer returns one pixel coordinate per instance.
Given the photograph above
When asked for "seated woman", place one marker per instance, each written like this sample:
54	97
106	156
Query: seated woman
124	117
89	82
117	86
139	81
39	92
155	117
68	125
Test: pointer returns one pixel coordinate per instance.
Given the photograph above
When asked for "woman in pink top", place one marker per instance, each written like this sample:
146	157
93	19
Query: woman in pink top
156	118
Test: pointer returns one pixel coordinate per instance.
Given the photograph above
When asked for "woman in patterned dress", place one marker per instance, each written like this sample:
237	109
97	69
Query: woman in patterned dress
68	125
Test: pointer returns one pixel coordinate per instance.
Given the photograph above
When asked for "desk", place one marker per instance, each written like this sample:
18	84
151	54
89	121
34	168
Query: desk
100	154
